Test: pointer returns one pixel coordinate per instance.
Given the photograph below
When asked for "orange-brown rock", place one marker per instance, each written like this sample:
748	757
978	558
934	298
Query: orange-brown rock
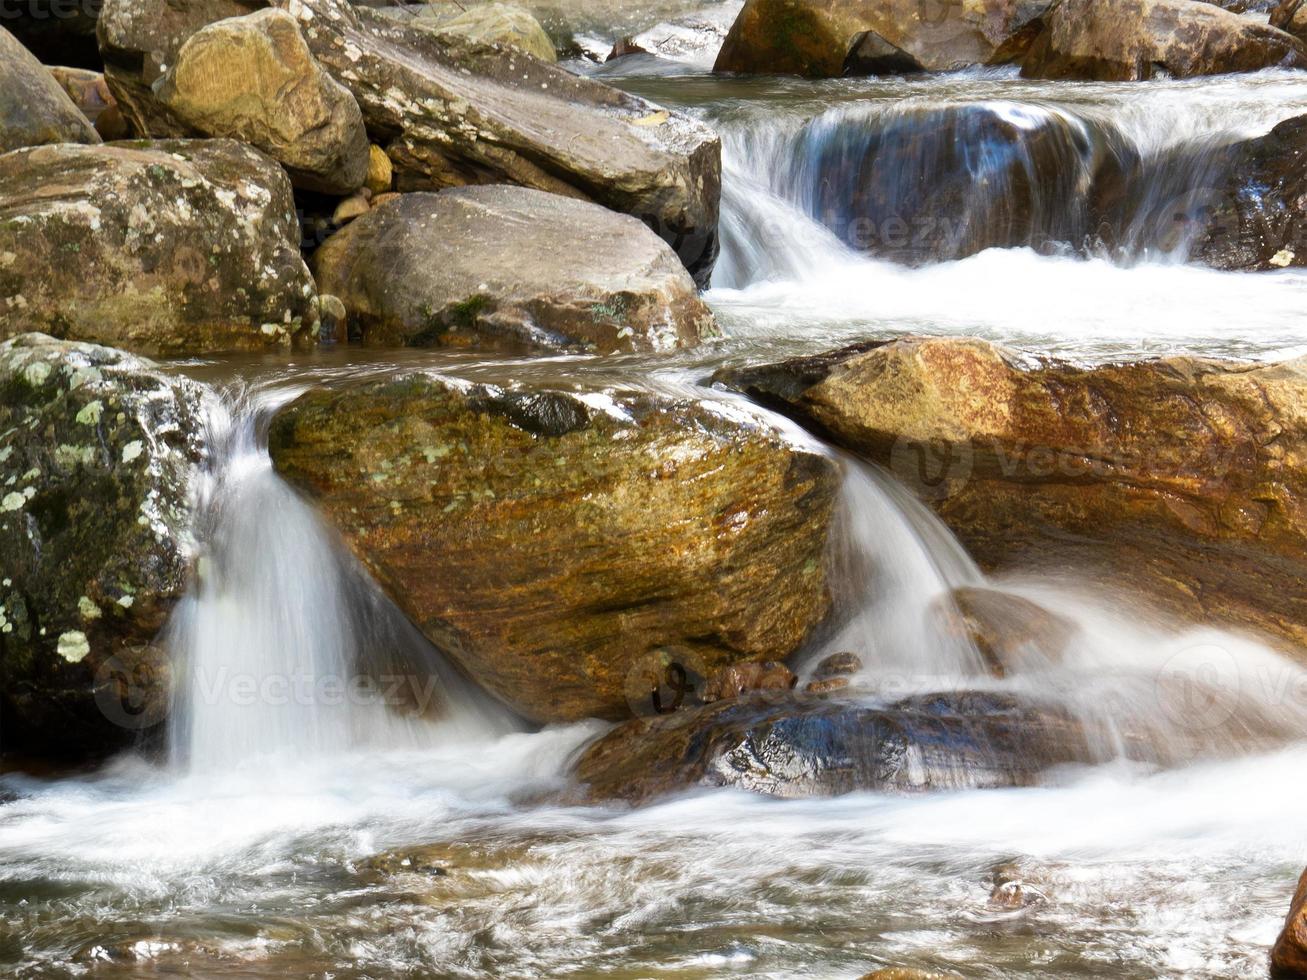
1289	955
832	38
1290	16
751	678
1134	40
552	542
1186	477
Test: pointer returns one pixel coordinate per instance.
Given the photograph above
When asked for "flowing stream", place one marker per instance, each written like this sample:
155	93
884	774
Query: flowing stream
323	757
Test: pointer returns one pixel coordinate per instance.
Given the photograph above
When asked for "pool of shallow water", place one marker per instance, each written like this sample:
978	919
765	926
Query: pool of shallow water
268	872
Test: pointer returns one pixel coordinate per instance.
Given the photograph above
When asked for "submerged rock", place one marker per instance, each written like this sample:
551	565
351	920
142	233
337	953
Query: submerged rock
799	745
97	450
558	545
1011	634
172	247
35	110
1134	40
1257	218
833	38
1183	478
429	269
253	78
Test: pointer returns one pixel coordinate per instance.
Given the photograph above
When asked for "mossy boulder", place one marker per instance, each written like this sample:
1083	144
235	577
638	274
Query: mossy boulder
1135	40
1183	479
34	108
254	79
560	545
170	247
833	38
97	453
428	269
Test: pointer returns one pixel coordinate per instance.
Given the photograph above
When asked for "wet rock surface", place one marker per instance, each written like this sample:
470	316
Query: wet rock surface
800	745
253	78
429	270
1011	634
1135	40
558	543
1289	954
1180	477
829	38
1256	219
739	679
35	110
169	247
97	452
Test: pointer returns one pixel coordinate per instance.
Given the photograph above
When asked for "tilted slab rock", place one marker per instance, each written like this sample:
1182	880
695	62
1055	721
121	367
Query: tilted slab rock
1134	40
97	451
797	745
454	113
1257	218
253	78
832	38
431	269
174	247
560	546
1186	478
34	108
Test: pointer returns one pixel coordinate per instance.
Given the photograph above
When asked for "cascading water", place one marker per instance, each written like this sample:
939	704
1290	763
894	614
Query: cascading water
284	649
1143	687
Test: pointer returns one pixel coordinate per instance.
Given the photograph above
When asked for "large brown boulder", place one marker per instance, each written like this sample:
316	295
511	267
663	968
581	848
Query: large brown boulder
254	79
429	269
177	247
562	545
97	451
832	38
1256	217
1183	477
1134	40
802	745
34	109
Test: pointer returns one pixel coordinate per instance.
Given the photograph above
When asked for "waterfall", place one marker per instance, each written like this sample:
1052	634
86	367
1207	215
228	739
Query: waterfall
924	177
1143	686
284	649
